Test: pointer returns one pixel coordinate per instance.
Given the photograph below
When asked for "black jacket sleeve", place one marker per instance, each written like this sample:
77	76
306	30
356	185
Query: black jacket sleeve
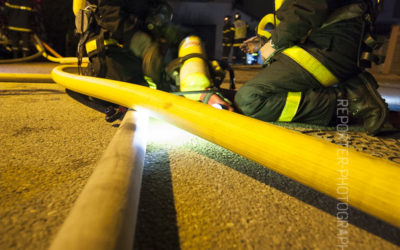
297	17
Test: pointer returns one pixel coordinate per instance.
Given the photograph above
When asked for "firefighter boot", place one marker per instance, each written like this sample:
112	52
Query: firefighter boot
113	113
365	103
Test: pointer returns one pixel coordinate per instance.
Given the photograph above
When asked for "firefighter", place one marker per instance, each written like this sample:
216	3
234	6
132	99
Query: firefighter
19	18
228	33
127	40
240	36
130	41
314	65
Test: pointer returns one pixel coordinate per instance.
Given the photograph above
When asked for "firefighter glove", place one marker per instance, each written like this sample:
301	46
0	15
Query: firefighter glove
253	44
216	100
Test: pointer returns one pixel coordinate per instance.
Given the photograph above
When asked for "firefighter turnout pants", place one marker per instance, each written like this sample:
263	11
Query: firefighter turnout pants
290	89
117	64
285	92
238	55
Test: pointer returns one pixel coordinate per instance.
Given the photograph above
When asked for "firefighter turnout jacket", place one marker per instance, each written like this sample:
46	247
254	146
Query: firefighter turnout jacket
240	31
228	31
127	39
318	45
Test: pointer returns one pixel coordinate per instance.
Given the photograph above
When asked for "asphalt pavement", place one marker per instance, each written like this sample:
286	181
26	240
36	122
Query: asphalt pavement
49	147
195	195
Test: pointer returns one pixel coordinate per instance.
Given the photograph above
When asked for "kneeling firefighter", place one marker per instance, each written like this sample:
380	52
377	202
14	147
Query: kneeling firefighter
130	41
315	60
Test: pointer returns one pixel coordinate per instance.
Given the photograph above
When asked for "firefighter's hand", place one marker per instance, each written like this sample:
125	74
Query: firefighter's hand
252	44
216	100
267	51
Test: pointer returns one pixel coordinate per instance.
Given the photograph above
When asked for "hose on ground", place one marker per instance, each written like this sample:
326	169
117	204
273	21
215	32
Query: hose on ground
41	51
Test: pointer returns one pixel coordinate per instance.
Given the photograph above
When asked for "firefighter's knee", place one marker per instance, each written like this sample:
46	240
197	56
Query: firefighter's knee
248	100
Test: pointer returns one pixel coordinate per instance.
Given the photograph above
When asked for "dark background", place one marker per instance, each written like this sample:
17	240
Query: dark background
57	21
59	24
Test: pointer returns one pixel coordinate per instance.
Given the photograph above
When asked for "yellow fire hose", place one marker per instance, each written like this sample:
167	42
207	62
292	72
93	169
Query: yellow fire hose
18	77
51	50
22	59
63	60
371	184
41	51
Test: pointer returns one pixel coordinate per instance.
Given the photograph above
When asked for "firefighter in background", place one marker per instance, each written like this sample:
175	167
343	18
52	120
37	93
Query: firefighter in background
19	20
240	27
3	37
315	66
228	33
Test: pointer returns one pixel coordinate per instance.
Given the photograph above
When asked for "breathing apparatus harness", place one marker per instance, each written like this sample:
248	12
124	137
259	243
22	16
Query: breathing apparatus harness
84	23
95	40
217	71
369	41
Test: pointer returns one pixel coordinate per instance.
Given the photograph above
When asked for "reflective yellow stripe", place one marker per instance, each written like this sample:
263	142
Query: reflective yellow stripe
292	105
312	65
278	4
18	7
92	45
19	29
77	5
151	83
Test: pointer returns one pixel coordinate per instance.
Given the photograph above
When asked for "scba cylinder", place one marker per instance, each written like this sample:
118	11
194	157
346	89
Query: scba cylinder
194	73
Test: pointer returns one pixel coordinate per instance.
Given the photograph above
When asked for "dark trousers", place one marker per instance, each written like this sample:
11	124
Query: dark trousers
226	50
238	55
117	64
121	65
264	96
20	42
